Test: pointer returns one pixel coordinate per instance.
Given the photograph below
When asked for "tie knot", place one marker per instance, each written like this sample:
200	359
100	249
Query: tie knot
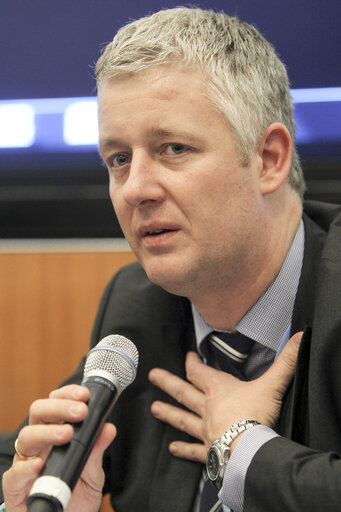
227	351
233	344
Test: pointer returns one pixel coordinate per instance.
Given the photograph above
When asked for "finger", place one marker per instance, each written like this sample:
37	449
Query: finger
178	418
93	475
105	438
190	451
199	373
282	371
72	392
54	410
36	439
183	392
18	480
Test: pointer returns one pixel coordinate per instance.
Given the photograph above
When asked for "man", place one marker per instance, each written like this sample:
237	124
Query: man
196	129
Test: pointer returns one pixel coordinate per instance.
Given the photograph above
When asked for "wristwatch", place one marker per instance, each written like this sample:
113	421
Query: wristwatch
219	453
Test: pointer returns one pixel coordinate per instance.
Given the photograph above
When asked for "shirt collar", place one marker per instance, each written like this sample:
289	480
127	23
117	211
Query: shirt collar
269	318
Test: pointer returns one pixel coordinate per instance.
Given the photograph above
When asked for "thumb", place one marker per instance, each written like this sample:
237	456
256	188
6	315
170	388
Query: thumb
107	435
93	472
282	371
87	495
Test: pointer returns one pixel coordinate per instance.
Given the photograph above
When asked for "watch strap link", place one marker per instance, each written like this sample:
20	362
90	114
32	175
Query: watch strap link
237	428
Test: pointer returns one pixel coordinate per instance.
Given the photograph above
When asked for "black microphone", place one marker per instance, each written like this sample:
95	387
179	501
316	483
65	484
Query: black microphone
109	368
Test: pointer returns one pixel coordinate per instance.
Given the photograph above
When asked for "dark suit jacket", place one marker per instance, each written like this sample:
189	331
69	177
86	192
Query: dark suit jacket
284	475
306	474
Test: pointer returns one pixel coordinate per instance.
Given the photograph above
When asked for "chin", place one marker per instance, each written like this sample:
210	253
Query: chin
172	282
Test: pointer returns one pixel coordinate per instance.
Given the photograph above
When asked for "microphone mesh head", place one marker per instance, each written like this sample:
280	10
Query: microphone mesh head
114	355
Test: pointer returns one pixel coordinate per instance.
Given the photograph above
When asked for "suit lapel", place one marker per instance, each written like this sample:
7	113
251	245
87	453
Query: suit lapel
292	422
292	418
180	478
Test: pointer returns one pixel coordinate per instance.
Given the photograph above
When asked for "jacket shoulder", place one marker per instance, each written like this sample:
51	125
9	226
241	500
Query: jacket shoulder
323	214
131	299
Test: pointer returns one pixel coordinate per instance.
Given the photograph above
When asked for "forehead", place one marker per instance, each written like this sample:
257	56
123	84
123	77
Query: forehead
159	100
160	84
151	75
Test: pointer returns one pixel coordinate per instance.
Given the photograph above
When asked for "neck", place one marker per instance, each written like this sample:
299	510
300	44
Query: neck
239	291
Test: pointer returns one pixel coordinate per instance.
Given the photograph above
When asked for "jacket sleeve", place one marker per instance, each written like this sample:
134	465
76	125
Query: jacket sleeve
287	476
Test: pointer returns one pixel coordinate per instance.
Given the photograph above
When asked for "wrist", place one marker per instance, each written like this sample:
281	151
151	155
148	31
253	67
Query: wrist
220	451
235	442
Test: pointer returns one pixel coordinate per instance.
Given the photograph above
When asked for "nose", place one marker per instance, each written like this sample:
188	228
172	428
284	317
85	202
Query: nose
143	185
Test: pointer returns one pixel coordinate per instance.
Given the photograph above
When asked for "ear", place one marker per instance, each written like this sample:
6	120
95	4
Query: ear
275	151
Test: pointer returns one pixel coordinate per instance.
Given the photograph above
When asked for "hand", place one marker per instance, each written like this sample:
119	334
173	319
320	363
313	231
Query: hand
216	400
50	425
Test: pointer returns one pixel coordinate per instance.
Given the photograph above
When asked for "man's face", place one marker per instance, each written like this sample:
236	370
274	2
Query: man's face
186	205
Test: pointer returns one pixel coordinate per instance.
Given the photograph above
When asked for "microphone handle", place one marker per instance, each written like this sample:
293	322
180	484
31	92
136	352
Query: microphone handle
44	505
66	462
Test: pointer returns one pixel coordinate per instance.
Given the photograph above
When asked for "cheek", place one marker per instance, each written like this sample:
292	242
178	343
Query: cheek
114	199
119	205
112	189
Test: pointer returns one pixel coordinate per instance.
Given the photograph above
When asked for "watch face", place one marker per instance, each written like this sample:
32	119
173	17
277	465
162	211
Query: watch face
212	464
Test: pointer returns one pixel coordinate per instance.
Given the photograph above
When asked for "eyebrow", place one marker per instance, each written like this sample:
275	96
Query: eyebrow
157	133
163	133
105	144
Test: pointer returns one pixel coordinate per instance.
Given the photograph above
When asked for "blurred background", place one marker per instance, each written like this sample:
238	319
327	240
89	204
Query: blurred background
52	181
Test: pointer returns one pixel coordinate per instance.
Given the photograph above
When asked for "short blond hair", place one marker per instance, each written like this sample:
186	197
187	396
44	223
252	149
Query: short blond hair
247	81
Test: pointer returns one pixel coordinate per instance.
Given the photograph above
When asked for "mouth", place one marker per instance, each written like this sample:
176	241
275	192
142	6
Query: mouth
155	236
156	232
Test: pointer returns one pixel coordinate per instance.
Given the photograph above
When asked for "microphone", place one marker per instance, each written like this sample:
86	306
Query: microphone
109	368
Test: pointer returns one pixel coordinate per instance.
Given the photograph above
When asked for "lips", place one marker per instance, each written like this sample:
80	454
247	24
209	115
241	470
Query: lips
158	232
155	229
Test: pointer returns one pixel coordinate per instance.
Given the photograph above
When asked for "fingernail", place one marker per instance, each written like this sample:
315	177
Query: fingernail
76	409
152	376
173	448
77	393
155	409
298	338
59	432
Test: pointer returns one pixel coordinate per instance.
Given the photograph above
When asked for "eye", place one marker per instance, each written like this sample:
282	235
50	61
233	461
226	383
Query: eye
175	149
178	148
119	160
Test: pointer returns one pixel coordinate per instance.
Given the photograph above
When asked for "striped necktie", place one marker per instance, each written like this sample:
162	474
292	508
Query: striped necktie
227	352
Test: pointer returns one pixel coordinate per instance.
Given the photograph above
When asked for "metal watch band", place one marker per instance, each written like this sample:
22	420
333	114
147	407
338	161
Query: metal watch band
219	453
231	433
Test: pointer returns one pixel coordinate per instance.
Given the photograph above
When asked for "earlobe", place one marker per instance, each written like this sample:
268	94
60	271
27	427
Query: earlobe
275	151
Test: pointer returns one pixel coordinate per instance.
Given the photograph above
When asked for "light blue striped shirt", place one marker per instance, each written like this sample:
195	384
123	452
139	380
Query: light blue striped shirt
267	322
